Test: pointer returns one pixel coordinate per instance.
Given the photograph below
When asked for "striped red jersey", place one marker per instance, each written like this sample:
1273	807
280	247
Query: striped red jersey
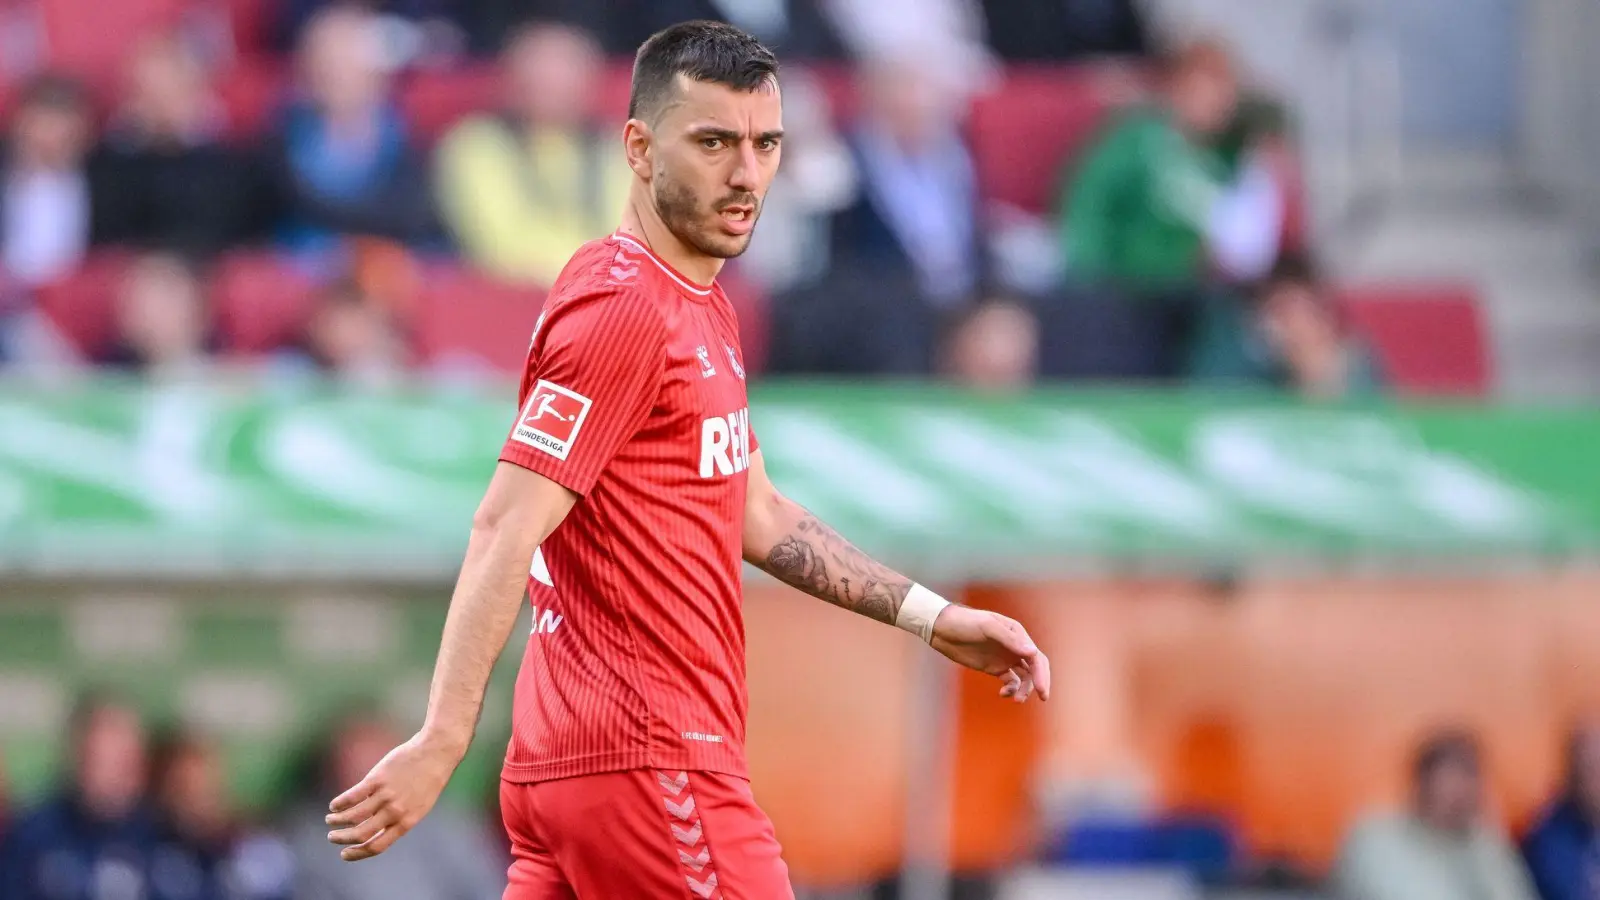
634	398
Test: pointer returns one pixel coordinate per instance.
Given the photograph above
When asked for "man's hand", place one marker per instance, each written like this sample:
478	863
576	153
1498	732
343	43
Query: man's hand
392	799
992	643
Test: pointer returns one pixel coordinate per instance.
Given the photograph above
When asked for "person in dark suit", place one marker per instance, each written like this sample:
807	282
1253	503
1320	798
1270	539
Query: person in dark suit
907	256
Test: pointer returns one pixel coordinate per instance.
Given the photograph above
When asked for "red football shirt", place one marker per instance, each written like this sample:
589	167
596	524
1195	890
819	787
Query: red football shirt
634	398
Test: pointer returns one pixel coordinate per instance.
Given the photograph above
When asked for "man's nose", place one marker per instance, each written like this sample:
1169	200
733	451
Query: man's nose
746	173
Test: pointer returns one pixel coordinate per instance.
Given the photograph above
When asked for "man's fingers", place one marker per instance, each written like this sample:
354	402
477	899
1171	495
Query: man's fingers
364	831
1016	639
359	813
1039	668
1012	682
373	847
355	795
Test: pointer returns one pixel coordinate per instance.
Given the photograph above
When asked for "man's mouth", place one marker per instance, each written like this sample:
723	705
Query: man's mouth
738	213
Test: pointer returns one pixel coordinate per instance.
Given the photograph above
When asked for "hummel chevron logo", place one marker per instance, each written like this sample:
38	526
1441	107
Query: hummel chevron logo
697	862
675	785
702	888
687	836
682	810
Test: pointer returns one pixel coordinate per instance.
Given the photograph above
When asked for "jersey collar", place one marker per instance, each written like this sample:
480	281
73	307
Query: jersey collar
699	290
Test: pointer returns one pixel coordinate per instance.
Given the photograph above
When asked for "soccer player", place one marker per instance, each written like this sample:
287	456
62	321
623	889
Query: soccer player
633	481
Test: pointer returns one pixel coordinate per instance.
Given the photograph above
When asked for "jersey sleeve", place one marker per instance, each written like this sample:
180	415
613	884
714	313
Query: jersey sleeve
593	381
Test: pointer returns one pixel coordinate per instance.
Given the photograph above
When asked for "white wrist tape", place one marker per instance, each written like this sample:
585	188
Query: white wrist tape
917	613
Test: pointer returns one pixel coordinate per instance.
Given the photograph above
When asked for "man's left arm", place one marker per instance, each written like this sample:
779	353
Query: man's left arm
788	542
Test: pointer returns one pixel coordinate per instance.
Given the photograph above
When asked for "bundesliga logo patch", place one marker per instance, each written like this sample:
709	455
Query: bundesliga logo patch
551	419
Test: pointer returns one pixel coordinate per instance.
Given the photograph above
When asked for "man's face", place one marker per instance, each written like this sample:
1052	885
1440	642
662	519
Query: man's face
1586	772
552	73
1452	796
51	136
111	761
712	155
1205	101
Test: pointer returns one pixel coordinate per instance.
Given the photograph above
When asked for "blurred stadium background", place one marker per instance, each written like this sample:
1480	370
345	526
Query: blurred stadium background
1248	351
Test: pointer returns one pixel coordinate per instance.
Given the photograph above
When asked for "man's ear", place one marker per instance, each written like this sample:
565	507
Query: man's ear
638	143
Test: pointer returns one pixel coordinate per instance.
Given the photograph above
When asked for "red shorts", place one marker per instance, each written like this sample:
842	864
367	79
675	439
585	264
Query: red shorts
641	835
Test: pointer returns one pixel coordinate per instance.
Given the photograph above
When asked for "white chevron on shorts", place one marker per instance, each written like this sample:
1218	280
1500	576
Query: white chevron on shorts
702	888
674	785
687	836
682	810
698	861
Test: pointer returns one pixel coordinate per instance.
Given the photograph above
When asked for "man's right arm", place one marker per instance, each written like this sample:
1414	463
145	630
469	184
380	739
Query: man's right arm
520	509
518	512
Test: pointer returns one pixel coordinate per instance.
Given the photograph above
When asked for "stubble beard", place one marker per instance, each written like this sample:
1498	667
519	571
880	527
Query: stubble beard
680	211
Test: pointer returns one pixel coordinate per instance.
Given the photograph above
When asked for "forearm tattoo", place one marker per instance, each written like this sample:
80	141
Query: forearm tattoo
817	560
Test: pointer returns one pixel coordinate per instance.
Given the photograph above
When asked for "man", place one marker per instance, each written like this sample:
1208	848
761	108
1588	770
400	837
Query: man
523	189
1444	848
95	837
633	470
1563	847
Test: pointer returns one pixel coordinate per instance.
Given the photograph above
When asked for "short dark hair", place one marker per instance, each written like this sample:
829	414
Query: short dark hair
713	52
1453	746
54	90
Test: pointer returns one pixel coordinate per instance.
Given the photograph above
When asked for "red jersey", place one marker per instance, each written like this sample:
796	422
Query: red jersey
634	398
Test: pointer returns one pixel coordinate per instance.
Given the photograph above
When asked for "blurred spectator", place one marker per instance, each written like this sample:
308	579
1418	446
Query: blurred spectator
165	179
1295	338
352	337
995	347
524	189
409	32
48	214
947	35
201	852
447	856
817	179
794	29
92	840
1563	847
163	320
344	162
1058	30
906	255
1135	214
1442	848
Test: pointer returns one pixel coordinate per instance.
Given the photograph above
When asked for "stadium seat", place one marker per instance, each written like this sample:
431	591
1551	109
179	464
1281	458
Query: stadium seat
252	92
1025	132
250	22
469	319
1430	338
91	37
434	101
82	304
262	301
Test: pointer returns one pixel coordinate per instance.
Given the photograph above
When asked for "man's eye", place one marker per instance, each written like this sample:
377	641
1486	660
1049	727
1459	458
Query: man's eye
711	143
768	144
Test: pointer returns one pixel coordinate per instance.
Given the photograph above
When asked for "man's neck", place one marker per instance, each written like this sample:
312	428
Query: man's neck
641	222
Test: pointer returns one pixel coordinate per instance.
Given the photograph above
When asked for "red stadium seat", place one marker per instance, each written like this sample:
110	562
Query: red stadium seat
91	37
83	304
250	21
262	302
252	93
1025	132
434	101
1430	338
468	318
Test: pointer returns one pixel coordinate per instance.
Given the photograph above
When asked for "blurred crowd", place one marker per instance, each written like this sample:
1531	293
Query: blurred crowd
149	815
141	816
1170	255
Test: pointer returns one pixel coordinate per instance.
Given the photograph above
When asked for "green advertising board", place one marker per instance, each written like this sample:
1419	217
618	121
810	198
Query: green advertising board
118	479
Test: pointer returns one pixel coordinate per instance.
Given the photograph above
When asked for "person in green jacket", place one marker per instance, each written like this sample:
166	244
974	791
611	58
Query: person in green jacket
1135	213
